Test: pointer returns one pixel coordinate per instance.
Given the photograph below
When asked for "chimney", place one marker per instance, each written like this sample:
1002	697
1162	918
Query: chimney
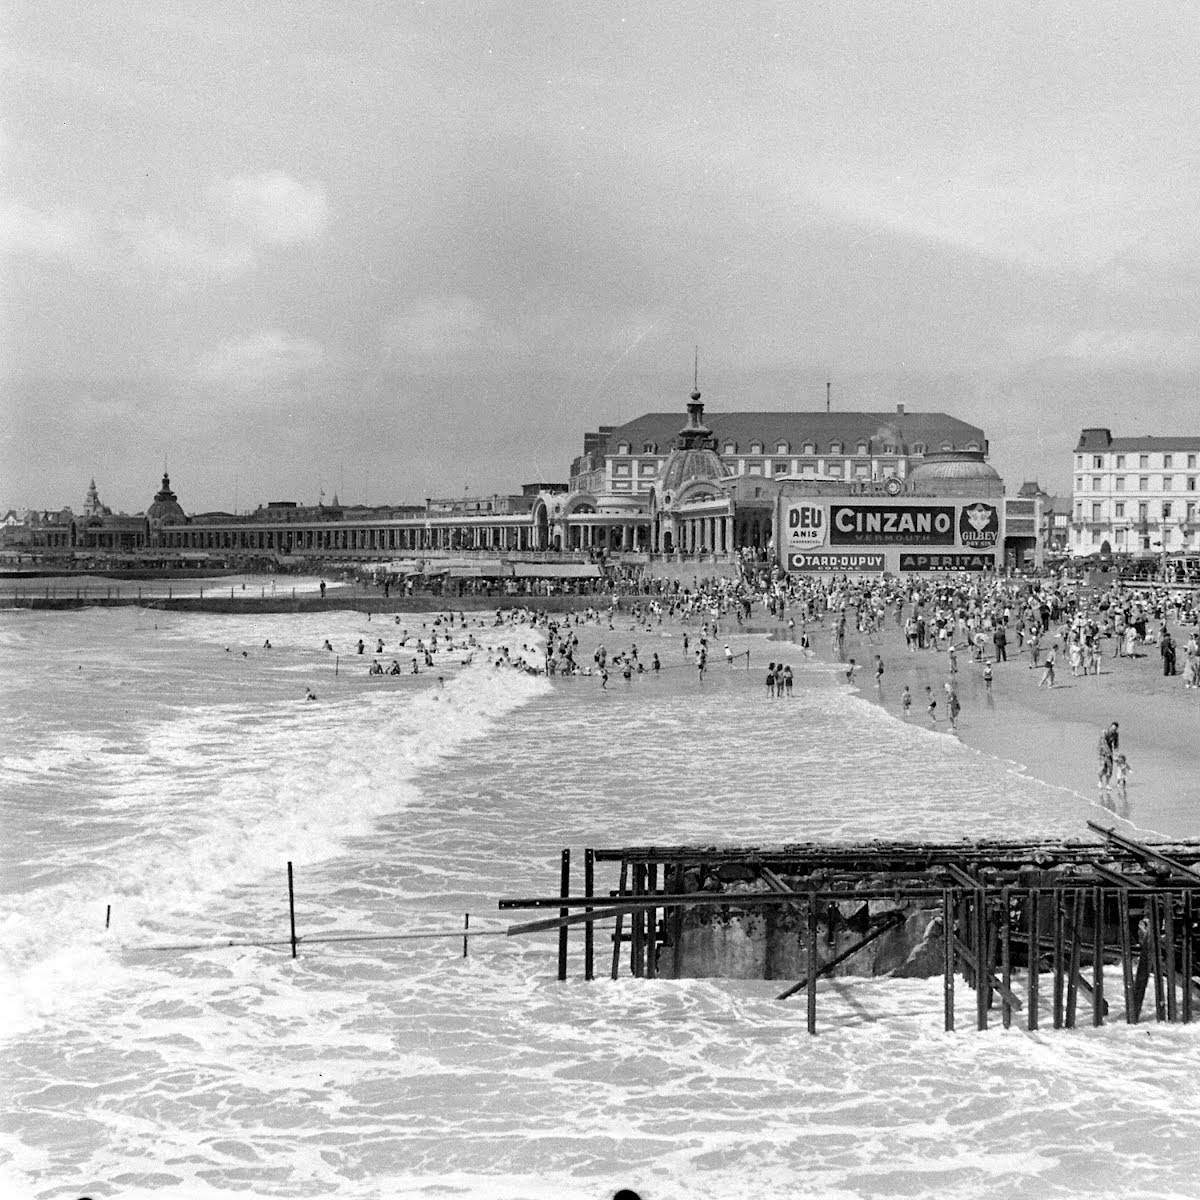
899	410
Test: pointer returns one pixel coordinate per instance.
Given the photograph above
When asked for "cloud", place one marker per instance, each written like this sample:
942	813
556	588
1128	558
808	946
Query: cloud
1153	348
260	362
273	207
448	331
66	234
186	252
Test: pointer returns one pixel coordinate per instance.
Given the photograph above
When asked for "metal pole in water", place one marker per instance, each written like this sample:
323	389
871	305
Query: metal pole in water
107	915
292	907
466	926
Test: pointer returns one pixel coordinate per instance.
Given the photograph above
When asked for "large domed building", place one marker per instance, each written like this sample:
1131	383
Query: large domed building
955	473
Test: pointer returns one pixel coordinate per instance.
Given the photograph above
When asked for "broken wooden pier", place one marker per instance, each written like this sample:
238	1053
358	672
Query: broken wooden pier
1065	926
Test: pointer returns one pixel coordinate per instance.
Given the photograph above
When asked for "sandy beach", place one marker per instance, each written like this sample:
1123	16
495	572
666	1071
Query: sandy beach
1052	734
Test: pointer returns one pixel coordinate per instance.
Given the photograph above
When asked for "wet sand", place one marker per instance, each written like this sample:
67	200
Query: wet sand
1052	734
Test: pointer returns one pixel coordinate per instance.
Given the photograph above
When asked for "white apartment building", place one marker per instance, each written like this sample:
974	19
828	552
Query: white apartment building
1135	495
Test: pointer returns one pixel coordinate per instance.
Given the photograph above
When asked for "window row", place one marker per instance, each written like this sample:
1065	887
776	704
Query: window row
1122	483
1170	460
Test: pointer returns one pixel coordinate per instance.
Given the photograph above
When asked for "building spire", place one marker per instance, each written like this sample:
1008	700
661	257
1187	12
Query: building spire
696	375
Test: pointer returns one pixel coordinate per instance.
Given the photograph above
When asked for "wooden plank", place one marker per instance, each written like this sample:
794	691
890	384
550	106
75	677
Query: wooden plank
966	954
552	924
1146	853
881	925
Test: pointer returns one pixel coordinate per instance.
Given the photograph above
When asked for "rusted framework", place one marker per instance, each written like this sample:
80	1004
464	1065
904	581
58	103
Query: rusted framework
1015	911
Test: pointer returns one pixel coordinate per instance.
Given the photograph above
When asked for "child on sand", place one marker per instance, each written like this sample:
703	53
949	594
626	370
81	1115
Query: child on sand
1120	773
851	667
932	708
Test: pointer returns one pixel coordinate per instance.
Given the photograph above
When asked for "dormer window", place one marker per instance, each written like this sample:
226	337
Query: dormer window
835	447
810	448
918	447
649	448
972	445
756	447
947	446
622	447
862	447
782	448
729	448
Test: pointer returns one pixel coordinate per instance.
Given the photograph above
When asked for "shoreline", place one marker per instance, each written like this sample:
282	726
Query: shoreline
1050	734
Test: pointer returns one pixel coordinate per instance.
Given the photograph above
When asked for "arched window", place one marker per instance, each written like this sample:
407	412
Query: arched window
622	447
862	447
835	447
782	448
729	448
810	448
756	447
918	448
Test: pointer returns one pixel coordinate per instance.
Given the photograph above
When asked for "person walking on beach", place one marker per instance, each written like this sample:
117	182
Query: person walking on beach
1105	752
787	681
771	680
953	705
905	701
1047	679
851	667
987	677
1166	646
878	672
952	654
931	708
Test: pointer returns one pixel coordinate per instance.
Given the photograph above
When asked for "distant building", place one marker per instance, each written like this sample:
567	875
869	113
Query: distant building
1137	495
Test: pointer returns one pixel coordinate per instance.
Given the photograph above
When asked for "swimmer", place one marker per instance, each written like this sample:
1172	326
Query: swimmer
267	644
309	694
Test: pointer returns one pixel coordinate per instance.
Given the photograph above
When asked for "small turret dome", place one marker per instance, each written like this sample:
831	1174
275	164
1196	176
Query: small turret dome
955	472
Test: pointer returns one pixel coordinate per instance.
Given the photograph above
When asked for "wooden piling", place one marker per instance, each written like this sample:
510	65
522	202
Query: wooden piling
636	925
948	964
1098	1002
1169	960
1057	958
466	935
1034	952
677	924
564	891
616	954
107	915
1186	956
1076	916
1131	1013
982	986
589	931
292	907
651	944
1156	956
812	962
1005	955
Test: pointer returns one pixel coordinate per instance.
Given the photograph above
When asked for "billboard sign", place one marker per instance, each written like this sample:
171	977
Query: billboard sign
833	560
891	525
806	526
947	562
979	525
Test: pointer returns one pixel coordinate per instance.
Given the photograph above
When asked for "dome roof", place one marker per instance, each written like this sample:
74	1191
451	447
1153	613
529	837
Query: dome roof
955	470
687	466
166	509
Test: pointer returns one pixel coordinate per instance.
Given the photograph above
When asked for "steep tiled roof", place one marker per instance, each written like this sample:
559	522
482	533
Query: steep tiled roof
795	428
1102	439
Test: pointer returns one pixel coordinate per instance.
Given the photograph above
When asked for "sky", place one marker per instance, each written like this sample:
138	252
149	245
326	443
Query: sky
397	250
